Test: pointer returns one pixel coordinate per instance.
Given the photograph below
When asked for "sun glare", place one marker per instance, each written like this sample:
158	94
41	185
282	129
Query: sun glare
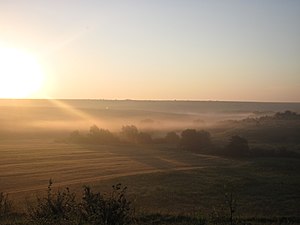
21	75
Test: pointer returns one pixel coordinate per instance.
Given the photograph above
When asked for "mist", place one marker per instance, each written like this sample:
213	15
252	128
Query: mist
58	116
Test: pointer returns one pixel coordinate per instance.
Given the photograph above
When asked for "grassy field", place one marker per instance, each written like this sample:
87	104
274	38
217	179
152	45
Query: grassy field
160	179
27	165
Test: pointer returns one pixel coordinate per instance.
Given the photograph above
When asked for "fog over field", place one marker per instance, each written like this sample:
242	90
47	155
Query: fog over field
157	112
149	146
33	116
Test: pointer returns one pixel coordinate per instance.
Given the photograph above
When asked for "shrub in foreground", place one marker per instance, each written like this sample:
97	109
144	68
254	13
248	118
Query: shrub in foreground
5	205
63	208
113	209
56	208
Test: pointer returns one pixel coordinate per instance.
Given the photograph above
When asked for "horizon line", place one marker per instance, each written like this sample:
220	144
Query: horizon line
156	100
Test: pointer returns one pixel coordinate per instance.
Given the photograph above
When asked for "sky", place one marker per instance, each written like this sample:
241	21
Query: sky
160	49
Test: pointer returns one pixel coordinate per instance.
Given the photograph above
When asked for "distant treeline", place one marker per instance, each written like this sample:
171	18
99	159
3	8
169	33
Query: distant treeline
198	141
280	128
287	115
277	117
128	135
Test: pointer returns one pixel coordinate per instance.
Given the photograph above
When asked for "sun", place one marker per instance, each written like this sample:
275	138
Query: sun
21	76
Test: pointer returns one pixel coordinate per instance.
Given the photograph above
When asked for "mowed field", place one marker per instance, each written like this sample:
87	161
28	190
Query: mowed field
159	179
27	165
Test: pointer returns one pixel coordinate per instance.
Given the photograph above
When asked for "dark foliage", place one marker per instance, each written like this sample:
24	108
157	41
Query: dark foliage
280	128
5	205
55	208
113	209
76	137
287	115
172	138
95	136
129	133
237	146
61	207
101	136
144	138
193	140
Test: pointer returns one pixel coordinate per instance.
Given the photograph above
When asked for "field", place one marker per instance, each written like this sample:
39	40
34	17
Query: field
164	180
27	166
160	179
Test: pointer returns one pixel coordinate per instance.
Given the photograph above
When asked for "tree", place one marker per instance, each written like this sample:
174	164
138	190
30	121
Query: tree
237	146
101	136
144	138
172	138
287	115
130	133
195	140
76	137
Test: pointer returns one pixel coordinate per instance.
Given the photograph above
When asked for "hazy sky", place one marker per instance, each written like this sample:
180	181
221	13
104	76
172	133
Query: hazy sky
160	49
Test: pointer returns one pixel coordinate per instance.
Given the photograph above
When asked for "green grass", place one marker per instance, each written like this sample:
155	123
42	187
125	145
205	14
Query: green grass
259	190
160	181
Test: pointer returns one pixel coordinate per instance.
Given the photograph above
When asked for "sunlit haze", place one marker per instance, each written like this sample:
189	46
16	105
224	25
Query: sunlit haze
137	49
20	74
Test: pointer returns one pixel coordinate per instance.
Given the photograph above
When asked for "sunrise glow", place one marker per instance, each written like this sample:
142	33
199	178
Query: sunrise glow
21	76
150	50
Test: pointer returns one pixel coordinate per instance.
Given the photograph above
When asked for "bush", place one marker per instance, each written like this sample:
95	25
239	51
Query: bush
130	133
144	138
55	208
195	140
287	115
5	205
113	209
237	146
61	208
101	136
172	138
76	137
